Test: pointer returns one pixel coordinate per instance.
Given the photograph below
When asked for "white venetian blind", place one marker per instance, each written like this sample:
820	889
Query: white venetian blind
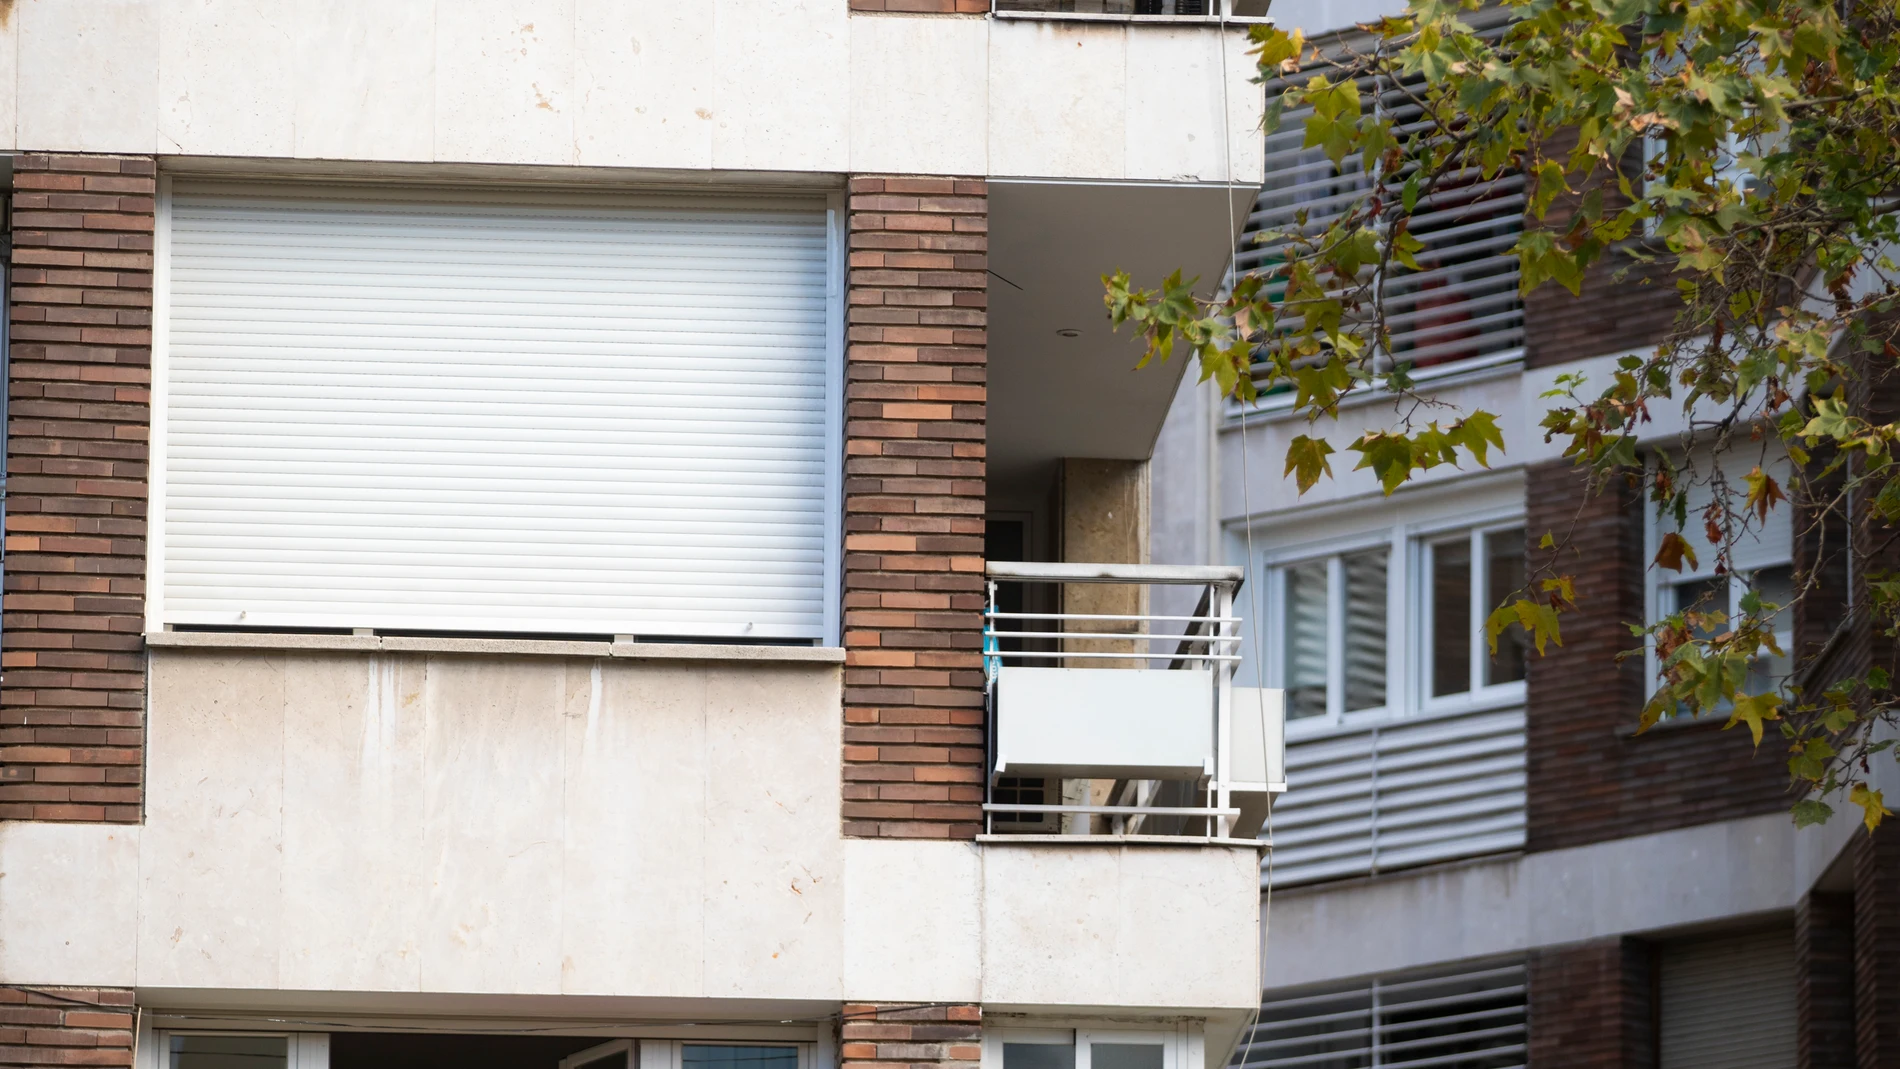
444	411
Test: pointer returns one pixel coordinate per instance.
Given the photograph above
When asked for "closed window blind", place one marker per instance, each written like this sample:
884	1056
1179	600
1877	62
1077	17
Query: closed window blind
1461	1017
1729	1002
447	411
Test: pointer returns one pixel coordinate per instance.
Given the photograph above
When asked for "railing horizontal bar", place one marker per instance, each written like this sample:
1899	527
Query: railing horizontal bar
1224	657
1112	573
1107	616
1113	810
1101	636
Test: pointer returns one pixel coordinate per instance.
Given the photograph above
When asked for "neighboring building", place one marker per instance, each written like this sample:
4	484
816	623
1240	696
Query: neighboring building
496	538
1478	862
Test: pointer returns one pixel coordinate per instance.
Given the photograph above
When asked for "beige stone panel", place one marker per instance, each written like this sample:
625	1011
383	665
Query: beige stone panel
636	798
211	856
353	810
364	79
221	65
920	95
1058	96
774	864
1176	126
68	903
493	826
899	897
643	81
783	84
505	81
1130	926
88	75
9	78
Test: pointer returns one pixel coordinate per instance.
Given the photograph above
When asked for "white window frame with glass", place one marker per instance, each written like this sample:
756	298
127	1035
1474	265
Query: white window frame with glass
303	1050
1183	1046
1762	559
1412	549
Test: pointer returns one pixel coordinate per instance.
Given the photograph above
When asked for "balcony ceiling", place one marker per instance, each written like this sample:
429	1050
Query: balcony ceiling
1050	242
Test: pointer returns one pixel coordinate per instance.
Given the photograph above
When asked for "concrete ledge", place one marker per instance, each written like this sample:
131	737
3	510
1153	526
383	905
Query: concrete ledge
499	647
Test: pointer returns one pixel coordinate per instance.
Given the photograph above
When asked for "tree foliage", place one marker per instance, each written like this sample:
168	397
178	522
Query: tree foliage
1747	151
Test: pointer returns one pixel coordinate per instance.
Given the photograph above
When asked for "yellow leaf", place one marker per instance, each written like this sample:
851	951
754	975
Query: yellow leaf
1872	809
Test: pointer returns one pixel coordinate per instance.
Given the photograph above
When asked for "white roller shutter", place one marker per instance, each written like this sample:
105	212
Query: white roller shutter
1729	1002
447	411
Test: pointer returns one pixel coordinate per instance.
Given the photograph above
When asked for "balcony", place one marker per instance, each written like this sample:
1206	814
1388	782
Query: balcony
1111	722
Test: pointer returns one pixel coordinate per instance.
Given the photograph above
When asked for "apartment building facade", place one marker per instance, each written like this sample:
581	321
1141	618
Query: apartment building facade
1479	862
496	538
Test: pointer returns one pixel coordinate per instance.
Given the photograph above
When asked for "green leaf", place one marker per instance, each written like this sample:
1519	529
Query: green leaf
1809	812
1306	460
1389	456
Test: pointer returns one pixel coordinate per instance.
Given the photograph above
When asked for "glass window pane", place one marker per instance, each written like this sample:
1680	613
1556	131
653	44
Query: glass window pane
230	1052
714	1057
1451	618
1504	574
1365	628
1769	672
1125	1055
1305	674
1038	1056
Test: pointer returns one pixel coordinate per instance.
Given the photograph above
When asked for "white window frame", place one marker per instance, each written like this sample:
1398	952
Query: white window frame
1183	1046
307	1050
1659	589
832	626
1477	693
1408	605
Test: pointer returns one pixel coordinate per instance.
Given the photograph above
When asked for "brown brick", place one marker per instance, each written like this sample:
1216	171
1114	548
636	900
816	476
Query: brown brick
75	522
917	290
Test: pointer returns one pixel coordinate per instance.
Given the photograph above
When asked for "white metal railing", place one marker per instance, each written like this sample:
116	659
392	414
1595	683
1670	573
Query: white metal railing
1137	703
1401	792
1134	10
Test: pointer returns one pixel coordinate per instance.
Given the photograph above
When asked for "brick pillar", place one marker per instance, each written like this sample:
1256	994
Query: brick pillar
908	1036
914	502
1824	980
1877	949
65	1026
72	702
1592	1005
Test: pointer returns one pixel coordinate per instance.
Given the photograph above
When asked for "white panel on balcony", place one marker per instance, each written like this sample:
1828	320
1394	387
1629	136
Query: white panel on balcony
1398	793
1467	1017
444	410
1099	722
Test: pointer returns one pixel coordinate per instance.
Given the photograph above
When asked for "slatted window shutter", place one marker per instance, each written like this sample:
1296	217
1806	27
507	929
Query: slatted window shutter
446	411
1729	1002
1462	304
1457	1018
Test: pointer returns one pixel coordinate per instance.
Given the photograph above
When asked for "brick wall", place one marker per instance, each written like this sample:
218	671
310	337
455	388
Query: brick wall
1590	779
1612	315
1592	1005
65	1026
1824	981
72	700
908	1036
914	503
1877	948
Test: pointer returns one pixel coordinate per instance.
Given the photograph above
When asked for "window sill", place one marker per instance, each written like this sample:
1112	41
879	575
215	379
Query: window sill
1477	369
1118	840
1149	20
499	647
1680	723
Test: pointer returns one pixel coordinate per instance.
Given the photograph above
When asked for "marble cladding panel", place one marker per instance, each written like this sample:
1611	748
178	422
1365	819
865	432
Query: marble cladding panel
728	84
